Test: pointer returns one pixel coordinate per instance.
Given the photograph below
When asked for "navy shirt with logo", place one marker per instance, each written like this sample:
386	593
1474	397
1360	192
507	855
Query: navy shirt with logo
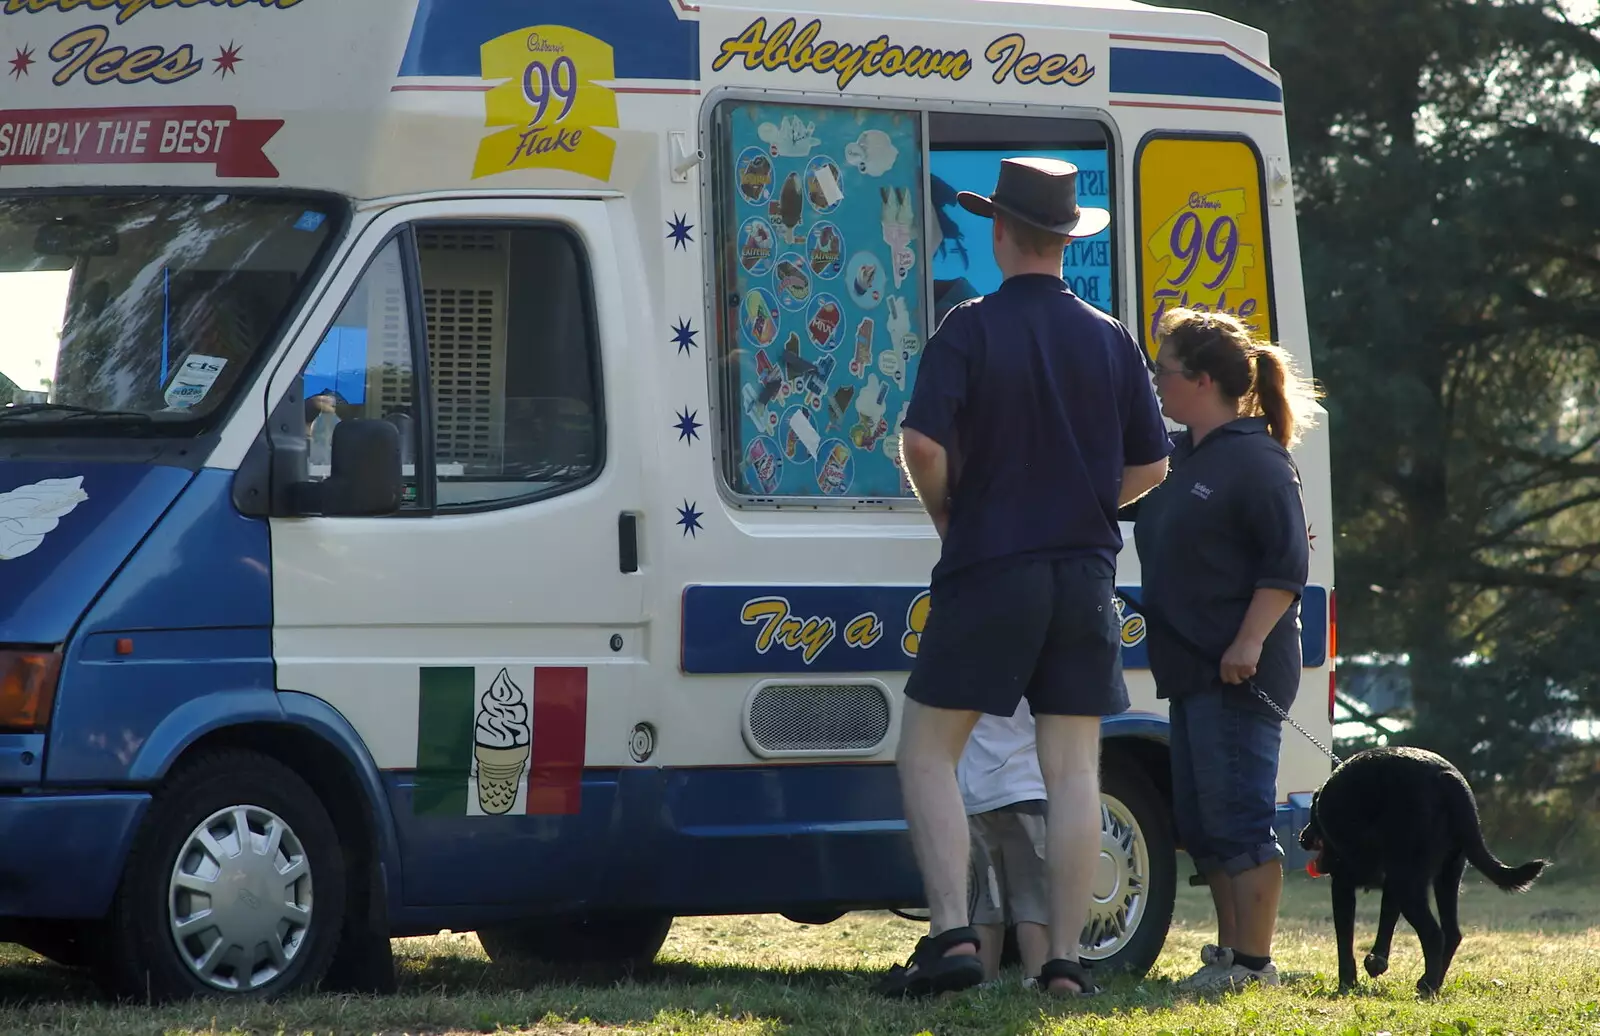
1040	400
1229	519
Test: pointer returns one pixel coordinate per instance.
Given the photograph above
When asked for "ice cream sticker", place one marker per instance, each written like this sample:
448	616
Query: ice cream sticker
873	153
836	466
899	229
755	176
755	246
865	280
764	466
824	322
863	356
899	327
822	184
870	408
30	513
759	316
826	247
800	438
892	363
787	210
790	138
502	745
500	740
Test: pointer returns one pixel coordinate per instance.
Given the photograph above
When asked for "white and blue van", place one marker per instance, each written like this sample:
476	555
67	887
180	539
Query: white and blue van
450	477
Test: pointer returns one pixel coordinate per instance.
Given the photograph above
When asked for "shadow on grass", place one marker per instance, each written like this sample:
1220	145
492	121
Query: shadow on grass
26	980
445	972
445	992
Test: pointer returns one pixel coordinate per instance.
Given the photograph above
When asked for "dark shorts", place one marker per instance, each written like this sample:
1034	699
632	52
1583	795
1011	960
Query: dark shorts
999	632
1225	780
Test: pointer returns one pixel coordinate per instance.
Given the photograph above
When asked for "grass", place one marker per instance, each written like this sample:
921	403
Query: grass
1529	964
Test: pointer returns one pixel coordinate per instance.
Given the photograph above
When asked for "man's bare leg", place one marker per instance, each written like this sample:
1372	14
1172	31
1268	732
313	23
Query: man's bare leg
931	741
1069	756
1033	943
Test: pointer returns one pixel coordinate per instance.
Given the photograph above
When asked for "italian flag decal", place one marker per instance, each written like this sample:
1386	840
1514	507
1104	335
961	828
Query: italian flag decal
500	740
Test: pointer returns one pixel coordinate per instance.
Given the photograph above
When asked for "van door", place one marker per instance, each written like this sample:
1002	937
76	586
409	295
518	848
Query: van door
477	636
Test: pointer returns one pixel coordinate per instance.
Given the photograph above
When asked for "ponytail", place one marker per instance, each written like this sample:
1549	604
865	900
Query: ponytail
1281	395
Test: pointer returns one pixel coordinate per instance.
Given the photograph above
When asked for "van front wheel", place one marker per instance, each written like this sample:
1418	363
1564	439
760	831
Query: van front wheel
629	940
235	886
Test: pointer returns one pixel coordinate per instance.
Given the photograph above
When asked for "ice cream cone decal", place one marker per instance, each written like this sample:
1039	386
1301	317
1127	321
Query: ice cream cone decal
503	741
500	739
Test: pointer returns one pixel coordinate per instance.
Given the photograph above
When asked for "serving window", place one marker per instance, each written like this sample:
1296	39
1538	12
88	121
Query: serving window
965	155
838	245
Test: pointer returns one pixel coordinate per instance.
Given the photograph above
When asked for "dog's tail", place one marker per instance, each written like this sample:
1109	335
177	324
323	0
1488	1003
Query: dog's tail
1463	809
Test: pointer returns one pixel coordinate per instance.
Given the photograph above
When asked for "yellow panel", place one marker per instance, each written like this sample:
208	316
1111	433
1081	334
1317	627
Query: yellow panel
1202	234
552	99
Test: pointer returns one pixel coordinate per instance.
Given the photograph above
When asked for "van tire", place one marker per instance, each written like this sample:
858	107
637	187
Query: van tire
628	940
141	959
1128	794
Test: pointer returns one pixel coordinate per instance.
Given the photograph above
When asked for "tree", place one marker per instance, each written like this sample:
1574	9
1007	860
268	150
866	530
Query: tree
1447	159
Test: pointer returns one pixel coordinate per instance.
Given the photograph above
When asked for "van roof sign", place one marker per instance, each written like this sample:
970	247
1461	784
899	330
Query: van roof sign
376	97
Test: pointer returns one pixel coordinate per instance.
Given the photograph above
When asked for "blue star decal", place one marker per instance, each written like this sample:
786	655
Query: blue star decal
679	232
683	333
689	518
688	427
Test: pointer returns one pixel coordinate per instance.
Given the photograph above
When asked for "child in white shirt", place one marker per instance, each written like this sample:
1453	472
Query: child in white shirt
1004	793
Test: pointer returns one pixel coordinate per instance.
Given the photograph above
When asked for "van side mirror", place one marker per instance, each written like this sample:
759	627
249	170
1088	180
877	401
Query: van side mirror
366	479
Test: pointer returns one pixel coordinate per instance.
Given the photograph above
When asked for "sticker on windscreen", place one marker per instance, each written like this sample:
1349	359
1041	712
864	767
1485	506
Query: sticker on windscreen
193	380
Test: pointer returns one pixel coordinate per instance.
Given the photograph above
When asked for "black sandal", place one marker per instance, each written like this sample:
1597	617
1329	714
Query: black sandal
929	972
1072	971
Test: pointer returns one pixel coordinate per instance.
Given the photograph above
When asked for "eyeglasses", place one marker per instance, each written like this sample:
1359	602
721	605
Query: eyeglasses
1158	372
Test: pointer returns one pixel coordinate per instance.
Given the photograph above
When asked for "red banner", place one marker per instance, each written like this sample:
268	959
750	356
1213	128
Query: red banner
191	135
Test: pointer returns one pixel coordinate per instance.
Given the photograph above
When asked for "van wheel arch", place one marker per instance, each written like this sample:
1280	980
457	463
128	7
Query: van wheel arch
363	962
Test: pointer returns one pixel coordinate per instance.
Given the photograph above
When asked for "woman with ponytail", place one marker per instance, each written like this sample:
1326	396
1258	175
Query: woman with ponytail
1224	551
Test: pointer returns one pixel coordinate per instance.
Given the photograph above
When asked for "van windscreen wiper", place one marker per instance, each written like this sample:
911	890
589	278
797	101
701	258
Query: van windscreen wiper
71	412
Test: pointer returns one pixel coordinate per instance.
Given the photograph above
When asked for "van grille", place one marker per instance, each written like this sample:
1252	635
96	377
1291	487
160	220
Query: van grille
819	717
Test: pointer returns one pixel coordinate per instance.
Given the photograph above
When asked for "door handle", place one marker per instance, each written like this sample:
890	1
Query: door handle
628	542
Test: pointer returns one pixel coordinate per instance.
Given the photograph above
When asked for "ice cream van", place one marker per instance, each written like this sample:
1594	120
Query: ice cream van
451	476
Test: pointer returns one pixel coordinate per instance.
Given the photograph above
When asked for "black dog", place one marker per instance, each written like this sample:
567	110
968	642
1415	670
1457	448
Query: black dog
1401	819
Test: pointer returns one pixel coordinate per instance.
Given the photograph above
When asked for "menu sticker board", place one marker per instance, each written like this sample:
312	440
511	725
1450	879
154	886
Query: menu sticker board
826	211
1201	234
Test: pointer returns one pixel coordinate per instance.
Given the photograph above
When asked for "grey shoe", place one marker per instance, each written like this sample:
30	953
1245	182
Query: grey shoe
1215	959
1236	977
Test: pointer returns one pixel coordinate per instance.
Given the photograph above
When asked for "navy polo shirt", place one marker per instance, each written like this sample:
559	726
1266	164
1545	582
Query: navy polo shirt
1228	520
1040	400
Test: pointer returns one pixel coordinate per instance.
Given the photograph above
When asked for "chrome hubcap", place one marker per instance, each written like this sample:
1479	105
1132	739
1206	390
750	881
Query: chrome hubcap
239	902
1121	882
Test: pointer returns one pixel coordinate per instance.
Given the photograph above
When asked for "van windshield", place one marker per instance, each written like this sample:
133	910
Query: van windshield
143	312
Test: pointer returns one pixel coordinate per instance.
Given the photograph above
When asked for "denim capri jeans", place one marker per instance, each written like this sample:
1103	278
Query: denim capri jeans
1225	780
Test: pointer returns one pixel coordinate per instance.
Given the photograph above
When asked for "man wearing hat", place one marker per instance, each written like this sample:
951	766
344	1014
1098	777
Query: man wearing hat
1031	422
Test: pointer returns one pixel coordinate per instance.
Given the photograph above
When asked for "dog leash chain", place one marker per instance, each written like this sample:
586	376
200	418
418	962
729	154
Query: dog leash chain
1263	696
1133	602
